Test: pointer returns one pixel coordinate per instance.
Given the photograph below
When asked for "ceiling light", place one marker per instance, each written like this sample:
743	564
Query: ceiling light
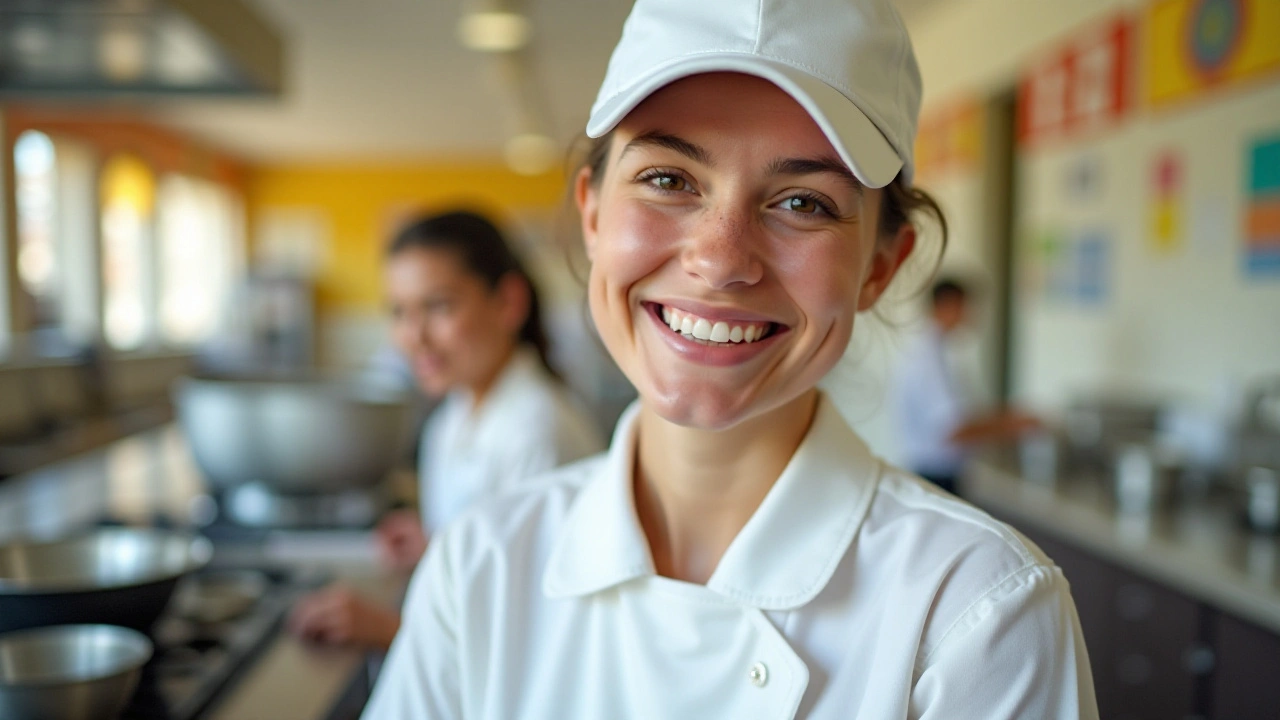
531	153
122	54
500	31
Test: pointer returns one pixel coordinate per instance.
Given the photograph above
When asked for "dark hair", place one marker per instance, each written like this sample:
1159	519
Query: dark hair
483	250
899	203
947	290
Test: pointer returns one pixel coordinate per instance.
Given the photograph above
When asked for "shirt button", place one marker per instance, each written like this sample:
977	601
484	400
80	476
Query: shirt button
758	675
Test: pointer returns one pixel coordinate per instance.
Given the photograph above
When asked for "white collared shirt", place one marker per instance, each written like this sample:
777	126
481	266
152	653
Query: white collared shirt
854	591
929	405
526	425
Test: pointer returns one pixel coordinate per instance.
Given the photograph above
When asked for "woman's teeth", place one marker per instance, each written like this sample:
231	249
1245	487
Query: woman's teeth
712	332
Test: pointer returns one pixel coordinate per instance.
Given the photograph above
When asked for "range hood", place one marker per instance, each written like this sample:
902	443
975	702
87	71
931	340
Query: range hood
145	48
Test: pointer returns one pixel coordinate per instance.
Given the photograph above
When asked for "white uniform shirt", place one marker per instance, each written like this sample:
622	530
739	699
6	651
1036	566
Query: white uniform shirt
854	591
928	406
526	425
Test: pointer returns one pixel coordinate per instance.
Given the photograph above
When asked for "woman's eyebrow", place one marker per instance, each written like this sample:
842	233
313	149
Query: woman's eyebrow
811	166
657	138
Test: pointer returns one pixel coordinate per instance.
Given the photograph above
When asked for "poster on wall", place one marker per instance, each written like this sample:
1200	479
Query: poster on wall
1069	269
1262	209
949	140
1196	45
1083	86
1093	268
1165	212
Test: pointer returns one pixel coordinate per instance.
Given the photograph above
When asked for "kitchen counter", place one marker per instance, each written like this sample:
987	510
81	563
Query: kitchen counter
1198	546
150	478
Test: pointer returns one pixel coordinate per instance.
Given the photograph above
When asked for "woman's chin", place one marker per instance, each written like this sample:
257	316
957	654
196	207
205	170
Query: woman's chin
702	407
433	384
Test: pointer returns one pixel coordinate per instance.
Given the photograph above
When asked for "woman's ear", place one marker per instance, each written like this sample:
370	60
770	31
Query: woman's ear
885	263
514	294
587	197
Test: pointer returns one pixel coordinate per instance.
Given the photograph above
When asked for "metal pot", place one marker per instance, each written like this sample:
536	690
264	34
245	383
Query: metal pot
1039	458
1262	499
70	672
1096	428
1146	477
293	436
115	576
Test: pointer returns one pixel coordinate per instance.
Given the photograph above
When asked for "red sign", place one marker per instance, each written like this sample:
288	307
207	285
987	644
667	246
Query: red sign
1083	86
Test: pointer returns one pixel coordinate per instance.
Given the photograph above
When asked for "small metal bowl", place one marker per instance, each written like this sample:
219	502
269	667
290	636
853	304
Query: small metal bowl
213	597
70	672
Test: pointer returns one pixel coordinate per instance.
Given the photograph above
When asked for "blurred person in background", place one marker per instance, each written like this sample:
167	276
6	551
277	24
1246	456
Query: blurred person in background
466	317
938	415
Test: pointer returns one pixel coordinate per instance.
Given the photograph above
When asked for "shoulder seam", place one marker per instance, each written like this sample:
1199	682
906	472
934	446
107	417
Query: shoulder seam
1028	569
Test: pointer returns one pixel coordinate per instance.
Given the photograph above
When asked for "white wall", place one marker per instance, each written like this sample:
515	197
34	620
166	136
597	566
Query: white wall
1186	324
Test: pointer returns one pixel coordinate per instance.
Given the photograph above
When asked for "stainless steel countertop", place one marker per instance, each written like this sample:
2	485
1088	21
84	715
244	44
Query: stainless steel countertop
151	476
1198	546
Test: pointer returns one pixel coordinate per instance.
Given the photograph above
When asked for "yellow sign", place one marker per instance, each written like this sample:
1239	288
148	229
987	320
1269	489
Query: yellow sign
1193	45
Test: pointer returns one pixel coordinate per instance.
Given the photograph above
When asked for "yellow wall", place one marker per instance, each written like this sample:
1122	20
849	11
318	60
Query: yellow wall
362	204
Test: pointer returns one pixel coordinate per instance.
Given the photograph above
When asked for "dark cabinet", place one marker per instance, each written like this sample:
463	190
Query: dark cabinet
1157	637
1159	655
1146	643
1093	584
1246	681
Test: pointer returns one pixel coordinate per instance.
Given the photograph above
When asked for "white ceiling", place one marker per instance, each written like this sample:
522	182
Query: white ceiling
388	80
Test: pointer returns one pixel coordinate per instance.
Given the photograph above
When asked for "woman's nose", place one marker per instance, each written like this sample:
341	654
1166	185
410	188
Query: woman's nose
721	249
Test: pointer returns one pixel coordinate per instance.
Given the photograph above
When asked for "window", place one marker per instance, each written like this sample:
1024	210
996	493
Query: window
128	278
36	191
199	225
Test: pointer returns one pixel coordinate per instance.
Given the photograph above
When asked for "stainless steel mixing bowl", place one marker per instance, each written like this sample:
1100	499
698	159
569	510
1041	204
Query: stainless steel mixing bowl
295	436
117	576
70	672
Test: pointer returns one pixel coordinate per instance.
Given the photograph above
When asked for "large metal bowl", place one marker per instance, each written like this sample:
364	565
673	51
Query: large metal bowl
115	576
294	437
70	672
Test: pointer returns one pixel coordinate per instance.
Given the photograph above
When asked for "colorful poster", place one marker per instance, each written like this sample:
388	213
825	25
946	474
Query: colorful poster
1194	45
1093	268
1074	270
949	140
1165	209
1262	210
1084	86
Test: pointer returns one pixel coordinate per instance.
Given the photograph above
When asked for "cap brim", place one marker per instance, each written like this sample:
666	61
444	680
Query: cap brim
858	141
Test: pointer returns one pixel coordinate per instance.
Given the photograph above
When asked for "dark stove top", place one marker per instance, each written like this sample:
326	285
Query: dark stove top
195	662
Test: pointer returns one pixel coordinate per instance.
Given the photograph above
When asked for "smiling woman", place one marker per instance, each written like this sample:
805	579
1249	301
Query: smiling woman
740	552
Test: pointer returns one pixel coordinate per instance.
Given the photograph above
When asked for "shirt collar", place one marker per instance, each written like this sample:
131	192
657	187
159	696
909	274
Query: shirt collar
780	560
523	367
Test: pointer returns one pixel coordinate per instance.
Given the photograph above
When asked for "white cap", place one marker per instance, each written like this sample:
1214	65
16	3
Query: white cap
849	63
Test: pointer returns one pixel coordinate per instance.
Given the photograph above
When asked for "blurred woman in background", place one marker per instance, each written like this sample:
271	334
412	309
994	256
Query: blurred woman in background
466	316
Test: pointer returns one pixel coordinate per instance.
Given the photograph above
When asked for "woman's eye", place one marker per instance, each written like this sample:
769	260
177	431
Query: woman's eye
802	205
668	183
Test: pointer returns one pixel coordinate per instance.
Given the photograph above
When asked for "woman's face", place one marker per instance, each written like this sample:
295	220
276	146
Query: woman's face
726	212
453	328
